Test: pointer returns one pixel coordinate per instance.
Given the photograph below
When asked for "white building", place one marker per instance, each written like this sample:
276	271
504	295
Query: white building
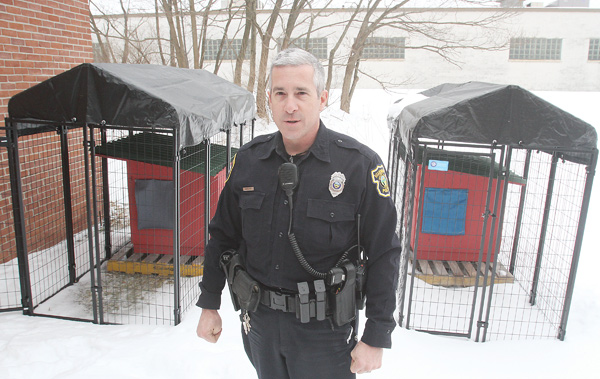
540	49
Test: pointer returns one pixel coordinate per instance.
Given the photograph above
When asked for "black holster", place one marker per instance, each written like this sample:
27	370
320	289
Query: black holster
245	291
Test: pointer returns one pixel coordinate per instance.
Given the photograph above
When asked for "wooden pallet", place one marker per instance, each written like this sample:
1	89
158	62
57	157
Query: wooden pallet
458	274
128	261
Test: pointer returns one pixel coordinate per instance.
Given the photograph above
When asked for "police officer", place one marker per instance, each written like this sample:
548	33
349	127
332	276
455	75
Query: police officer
338	180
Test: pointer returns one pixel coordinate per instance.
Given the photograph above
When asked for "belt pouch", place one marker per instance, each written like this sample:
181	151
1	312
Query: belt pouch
361	284
303	302
343	297
320	297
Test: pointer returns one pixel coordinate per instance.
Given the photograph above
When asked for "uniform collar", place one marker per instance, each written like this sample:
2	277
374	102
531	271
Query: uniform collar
320	148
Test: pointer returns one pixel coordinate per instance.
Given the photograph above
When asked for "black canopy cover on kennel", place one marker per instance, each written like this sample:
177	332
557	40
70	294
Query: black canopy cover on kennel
195	102
78	128
510	231
485	113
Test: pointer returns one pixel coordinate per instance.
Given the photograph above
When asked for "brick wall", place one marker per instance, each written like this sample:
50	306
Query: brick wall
39	39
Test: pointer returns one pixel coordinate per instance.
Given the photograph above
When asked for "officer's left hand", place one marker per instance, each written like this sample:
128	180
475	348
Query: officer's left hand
365	358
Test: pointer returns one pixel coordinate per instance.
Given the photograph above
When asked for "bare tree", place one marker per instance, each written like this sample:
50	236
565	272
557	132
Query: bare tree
419	28
123	32
367	27
202	42
266	36
158	39
297	7
195	47
126	42
175	32
225	44
334	50
439	35
252	68
100	36
249	26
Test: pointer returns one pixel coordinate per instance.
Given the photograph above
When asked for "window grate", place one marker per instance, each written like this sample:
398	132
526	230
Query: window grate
535	48
594	51
384	48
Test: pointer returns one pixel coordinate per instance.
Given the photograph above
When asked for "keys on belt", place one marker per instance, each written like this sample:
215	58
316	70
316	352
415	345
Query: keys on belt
304	304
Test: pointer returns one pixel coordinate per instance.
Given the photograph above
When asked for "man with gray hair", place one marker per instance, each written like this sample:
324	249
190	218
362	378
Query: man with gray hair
304	229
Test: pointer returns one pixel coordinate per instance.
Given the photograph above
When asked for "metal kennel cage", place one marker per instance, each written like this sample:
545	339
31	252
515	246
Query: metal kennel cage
115	172
492	186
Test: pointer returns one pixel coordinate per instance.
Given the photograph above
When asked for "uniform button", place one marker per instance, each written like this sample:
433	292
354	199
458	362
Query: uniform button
285	202
276	267
332	215
280	234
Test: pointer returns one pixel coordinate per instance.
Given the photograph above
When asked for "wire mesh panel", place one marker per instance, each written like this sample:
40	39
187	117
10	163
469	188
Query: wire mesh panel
54	218
10	295
199	205
541	222
400	181
42	187
450	237
154	262
137	245
520	285
115	221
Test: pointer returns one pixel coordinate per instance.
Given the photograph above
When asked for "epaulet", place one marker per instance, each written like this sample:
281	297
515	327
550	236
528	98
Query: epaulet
258	140
346	142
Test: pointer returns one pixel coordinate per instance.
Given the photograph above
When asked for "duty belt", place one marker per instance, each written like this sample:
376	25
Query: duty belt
304	304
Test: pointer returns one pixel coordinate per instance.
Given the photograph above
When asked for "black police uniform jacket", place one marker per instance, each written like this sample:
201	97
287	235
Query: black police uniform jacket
252	216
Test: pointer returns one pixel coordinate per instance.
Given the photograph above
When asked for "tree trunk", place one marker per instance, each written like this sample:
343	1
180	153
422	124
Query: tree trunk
225	44
333	51
103	49
125	55
348	79
297	7
261	89
252	68
204	29
239	62
194	35
158	37
176	43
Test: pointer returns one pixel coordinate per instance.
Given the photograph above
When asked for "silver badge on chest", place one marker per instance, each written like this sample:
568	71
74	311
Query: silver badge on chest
336	183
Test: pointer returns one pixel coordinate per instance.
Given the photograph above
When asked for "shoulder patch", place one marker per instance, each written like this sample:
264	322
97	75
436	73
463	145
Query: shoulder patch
380	179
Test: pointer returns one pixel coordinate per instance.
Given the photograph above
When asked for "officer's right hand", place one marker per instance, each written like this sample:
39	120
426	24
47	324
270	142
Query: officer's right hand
210	325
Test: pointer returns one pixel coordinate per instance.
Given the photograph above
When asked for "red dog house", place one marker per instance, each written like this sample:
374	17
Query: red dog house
454	201
151	190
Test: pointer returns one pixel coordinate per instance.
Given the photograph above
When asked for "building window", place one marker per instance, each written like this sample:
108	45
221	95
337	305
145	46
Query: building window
316	46
535	48
231	47
594	53
384	48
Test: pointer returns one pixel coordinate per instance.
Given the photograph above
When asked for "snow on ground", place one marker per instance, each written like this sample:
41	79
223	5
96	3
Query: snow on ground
37	347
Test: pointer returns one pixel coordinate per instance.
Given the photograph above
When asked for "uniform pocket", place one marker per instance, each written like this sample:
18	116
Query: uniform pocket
330	223
251	204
